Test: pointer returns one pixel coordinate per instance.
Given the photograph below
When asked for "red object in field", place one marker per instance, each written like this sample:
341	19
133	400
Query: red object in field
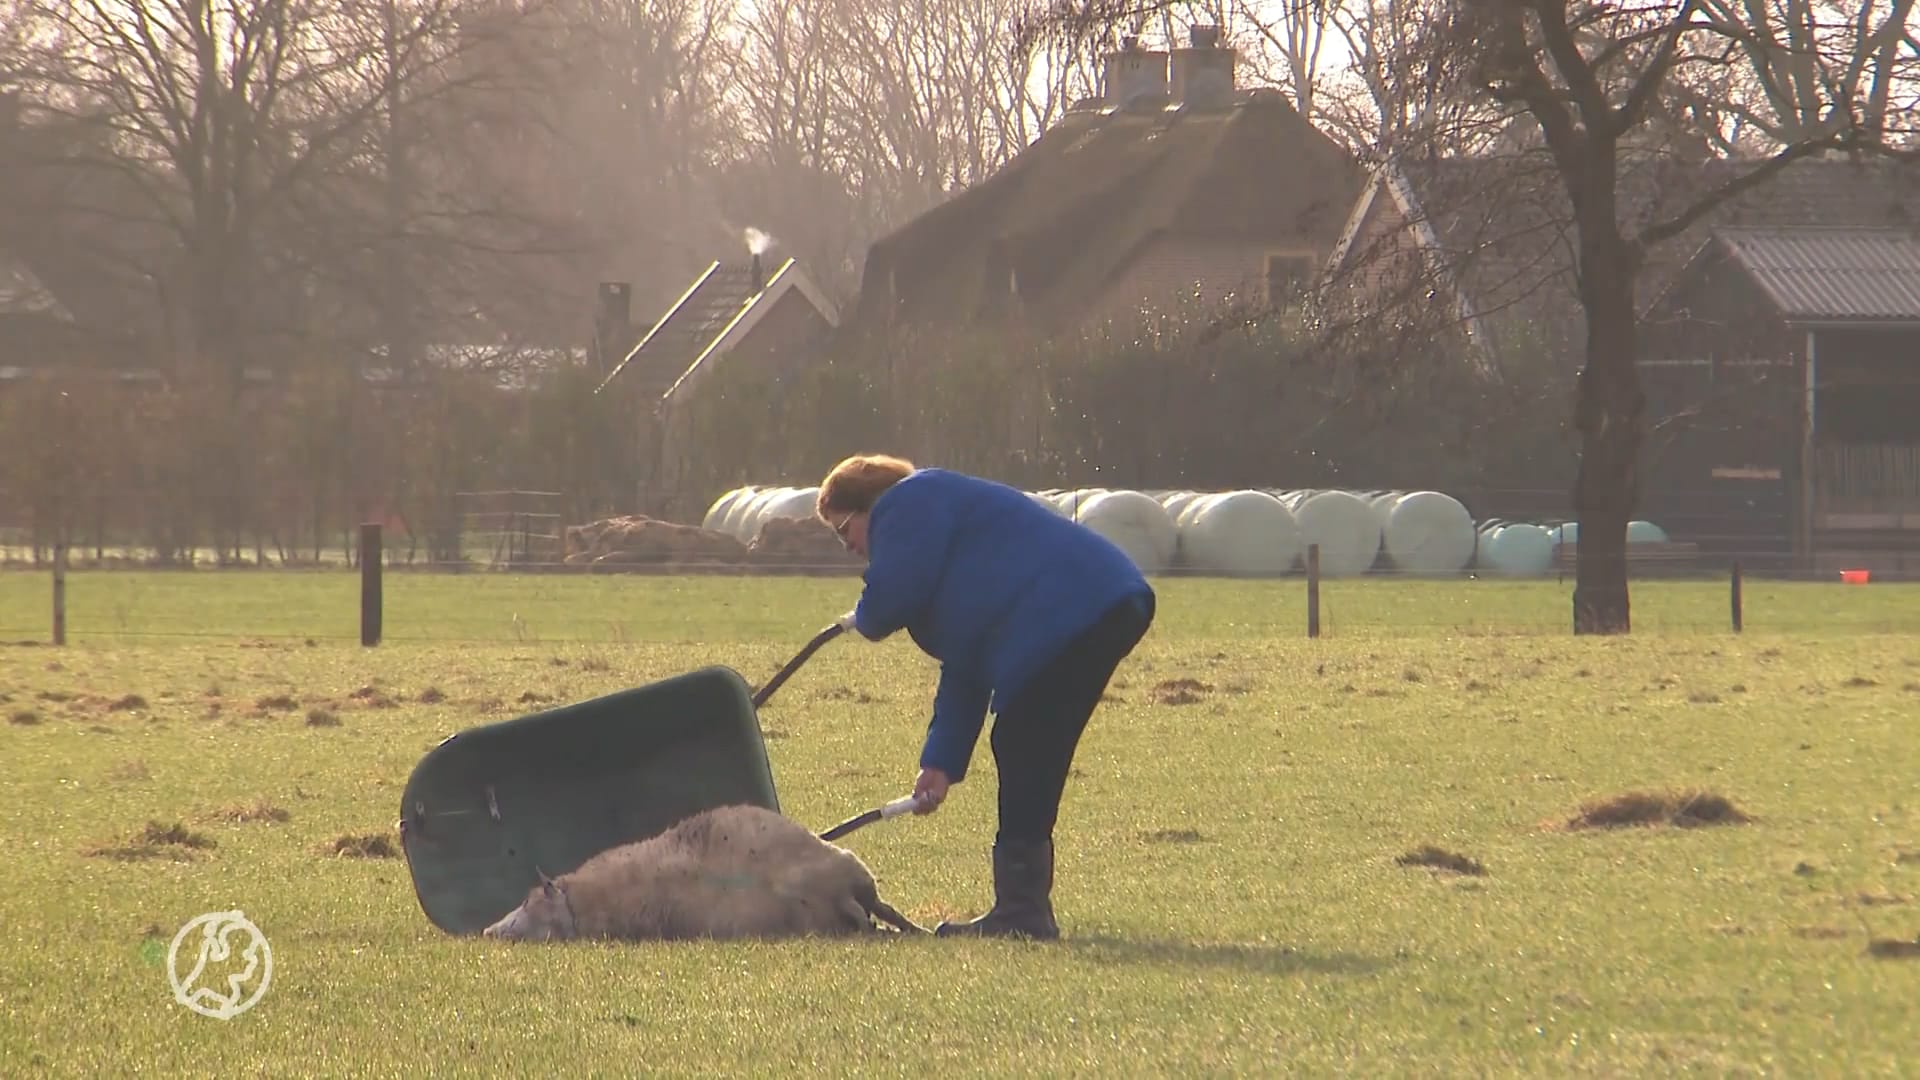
1855	577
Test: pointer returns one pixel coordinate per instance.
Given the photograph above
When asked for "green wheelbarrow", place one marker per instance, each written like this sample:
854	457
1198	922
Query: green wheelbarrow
491	808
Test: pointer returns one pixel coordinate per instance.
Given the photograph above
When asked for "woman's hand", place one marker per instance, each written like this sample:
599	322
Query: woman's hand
929	790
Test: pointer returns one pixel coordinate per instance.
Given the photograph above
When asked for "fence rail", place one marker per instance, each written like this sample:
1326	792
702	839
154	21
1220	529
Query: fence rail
201	606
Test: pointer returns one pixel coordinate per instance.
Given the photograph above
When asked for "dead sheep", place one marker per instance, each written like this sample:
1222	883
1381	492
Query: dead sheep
730	872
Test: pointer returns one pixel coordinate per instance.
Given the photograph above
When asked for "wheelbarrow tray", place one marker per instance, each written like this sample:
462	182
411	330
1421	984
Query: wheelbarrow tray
490	808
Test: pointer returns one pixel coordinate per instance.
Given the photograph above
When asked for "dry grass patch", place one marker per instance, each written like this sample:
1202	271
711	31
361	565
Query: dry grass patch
322	718
1682	809
363	846
1441	859
130	771
1173	836
1179	691
156	841
127	703
257	810
372	698
431	696
24	717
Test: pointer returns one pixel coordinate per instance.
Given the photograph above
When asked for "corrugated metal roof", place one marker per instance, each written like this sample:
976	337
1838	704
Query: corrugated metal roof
1838	274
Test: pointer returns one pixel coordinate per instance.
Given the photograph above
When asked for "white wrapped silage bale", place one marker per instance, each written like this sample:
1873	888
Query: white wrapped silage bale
1519	549
1044	500
1193	507
795	505
1344	526
1645	532
1242	533
1178	501
1382	503
716	518
746	525
730	522
1136	524
1428	532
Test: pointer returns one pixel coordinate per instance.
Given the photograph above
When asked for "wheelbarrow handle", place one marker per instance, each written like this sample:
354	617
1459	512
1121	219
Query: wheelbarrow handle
879	813
793	665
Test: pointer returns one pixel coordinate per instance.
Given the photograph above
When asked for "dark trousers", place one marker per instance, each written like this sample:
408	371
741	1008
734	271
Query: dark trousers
1035	735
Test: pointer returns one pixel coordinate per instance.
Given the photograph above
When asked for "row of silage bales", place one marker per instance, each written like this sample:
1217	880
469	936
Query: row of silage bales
1638	532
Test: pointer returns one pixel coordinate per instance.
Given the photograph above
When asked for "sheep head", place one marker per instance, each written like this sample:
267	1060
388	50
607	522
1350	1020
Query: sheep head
545	915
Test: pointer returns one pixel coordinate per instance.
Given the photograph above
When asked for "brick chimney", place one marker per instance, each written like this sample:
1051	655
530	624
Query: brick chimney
1132	73
1201	76
613	323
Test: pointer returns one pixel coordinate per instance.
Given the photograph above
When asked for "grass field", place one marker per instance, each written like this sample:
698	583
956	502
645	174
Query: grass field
1228	876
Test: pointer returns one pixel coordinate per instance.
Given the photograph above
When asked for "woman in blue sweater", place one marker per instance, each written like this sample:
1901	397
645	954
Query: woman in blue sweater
1027	612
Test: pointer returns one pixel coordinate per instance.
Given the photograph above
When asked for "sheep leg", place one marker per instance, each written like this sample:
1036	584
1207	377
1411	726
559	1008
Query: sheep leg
858	922
886	913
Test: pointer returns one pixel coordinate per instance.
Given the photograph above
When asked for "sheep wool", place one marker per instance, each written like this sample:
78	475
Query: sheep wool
731	872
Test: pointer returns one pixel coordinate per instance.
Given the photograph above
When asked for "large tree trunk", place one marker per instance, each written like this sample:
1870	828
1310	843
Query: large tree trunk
1610	410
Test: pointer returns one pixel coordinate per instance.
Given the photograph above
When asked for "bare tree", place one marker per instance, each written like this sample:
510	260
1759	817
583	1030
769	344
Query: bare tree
236	124
1298	31
1767	81
919	85
1588	77
788	159
854	118
1387	99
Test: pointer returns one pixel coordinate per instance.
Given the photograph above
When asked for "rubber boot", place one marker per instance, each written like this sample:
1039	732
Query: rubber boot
1022	890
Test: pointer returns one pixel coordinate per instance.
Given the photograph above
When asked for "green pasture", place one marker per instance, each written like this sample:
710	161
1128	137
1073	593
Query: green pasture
1229	883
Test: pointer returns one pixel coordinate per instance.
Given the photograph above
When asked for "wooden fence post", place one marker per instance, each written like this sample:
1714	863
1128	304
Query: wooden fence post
1313	590
370	601
1738	614
60	592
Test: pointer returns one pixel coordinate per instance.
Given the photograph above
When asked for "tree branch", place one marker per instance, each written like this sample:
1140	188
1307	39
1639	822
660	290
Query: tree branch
1759	174
1648	84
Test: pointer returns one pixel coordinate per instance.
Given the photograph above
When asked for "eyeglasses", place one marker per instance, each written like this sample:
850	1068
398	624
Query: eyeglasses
840	530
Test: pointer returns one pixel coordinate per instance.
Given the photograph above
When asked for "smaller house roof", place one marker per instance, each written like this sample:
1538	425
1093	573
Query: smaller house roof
1841	275
721	306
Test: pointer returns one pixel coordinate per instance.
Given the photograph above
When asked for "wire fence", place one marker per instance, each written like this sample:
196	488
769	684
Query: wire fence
512	568
660	604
